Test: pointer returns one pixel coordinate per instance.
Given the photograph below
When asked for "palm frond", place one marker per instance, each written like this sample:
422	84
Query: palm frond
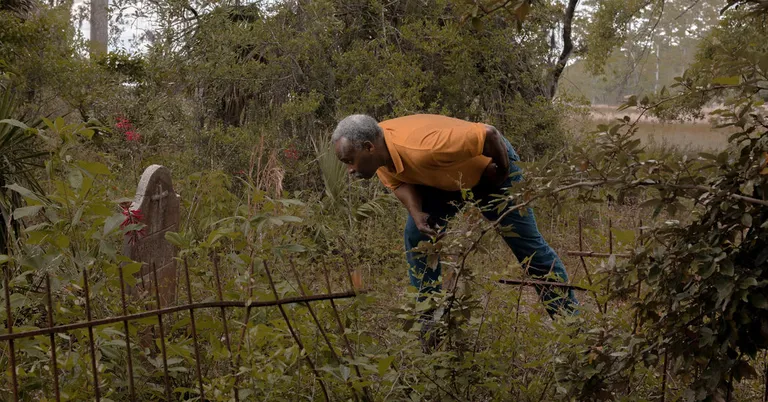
19	159
19	154
333	172
337	188
18	6
371	208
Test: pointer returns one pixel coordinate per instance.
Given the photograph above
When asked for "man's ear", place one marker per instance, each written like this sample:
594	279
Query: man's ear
368	146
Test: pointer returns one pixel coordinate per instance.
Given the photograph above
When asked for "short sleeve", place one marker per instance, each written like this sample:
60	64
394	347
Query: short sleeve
460	143
388	179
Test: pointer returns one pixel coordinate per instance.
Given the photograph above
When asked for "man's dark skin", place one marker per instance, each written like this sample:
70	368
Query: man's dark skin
363	163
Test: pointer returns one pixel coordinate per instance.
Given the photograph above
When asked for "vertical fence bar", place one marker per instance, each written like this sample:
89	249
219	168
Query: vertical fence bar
664	379
517	309
639	288
90	336
240	341
312	312
194	332
635	326
610	273
131	388
320	326
584	264
54	366
343	330
295	335
11	347
166	377
220	295
610	236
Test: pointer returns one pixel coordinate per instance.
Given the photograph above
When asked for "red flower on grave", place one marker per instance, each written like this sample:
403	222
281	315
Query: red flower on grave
132	217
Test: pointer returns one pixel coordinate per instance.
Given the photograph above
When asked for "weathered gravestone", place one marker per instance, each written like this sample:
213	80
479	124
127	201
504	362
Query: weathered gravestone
159	206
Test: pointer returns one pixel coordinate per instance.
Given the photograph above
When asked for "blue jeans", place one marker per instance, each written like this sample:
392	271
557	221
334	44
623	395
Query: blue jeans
520	233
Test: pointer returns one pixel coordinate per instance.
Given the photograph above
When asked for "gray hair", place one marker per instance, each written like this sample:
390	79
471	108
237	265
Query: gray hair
357	129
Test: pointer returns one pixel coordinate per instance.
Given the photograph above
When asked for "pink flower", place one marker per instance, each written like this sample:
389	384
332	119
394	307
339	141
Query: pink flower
124	125
132	217
132	136
291	154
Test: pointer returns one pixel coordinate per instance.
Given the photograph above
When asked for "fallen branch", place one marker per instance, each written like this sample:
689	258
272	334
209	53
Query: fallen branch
596	255
541	283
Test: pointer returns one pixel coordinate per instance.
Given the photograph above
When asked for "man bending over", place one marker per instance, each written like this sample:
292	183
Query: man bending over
426	160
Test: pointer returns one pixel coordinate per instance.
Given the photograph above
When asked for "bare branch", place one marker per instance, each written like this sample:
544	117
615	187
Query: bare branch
687	9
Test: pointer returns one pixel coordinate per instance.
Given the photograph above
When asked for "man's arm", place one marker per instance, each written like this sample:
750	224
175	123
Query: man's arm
411	199
496	171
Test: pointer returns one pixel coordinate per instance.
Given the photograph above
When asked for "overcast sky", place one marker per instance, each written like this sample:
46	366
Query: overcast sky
129	32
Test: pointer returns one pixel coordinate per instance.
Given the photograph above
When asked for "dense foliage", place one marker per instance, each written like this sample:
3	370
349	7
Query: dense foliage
238	100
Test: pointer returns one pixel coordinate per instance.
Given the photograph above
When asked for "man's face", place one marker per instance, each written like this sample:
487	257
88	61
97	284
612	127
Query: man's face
361	163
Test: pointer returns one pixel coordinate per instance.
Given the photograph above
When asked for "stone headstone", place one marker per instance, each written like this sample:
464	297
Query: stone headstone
159	206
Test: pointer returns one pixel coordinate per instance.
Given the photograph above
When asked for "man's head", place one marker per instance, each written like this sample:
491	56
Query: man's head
359	143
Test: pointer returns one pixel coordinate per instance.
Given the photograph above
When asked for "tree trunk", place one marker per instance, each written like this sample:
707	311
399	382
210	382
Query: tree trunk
99	26
567	48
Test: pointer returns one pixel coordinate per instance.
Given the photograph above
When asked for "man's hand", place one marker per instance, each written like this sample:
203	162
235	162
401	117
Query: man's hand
422	223
410	197
493	177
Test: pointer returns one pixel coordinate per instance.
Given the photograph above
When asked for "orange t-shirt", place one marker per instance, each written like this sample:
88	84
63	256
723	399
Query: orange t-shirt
436	151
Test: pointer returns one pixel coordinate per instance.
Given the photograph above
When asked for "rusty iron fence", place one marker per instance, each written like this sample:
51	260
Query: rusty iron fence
582	254
602	308
191	306
160	312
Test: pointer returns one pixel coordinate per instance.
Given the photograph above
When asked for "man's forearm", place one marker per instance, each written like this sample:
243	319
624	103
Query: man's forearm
495	149
409	197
